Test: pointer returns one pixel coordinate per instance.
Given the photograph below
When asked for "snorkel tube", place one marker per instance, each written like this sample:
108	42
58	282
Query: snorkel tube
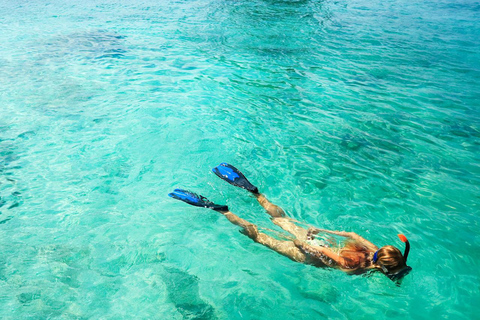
407	246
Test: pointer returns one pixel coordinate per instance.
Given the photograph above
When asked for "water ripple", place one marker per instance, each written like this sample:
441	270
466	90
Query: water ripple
356	116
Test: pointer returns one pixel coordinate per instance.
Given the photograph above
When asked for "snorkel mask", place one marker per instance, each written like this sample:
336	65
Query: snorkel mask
396	276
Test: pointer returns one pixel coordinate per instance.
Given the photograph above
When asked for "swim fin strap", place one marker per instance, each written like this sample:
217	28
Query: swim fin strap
196	200
233	176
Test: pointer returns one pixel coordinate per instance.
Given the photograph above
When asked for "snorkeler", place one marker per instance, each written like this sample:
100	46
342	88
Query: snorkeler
356	256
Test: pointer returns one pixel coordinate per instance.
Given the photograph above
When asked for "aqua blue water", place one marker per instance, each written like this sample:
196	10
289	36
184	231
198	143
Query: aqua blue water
352	115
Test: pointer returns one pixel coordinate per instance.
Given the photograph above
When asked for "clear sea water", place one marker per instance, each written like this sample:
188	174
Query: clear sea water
352	115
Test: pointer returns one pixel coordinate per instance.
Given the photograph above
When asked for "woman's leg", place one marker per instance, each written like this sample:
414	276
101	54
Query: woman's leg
288	225
286	248
272	209
280	219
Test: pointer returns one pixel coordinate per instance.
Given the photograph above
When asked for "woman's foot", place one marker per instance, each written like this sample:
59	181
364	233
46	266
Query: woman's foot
196	200
233	176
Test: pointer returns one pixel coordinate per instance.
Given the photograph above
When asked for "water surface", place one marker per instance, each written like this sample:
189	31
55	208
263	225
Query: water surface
351	115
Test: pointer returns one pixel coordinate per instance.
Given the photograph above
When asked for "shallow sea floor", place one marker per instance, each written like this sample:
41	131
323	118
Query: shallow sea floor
352	115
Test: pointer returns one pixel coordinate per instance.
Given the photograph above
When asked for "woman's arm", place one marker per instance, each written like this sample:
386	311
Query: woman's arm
351	235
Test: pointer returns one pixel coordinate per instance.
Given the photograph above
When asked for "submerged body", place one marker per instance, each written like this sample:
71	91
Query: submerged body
356	256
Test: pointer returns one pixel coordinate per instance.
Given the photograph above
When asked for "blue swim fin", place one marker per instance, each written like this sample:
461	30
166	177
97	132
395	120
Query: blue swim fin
196	200
233	176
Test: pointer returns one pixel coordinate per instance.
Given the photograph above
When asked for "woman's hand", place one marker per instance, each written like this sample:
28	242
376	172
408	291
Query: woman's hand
313	230
298	243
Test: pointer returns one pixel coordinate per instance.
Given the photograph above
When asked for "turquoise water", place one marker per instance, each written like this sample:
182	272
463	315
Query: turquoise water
352	115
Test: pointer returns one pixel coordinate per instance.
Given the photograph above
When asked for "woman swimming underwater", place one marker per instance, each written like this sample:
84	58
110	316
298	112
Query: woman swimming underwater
356	256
